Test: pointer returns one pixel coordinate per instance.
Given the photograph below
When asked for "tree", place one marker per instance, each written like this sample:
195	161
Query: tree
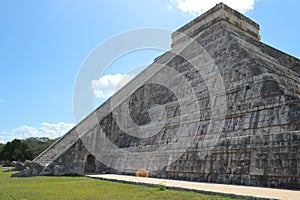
21	150
1	147
37	146
14	150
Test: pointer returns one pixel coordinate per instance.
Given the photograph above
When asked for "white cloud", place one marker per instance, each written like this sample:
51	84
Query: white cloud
45	130
197	7
107	85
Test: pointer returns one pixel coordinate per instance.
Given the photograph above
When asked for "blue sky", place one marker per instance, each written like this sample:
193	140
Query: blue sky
44	43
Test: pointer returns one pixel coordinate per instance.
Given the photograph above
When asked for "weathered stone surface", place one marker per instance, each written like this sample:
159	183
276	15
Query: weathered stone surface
23	173
259	143
27	169
6	163
18	166
34	167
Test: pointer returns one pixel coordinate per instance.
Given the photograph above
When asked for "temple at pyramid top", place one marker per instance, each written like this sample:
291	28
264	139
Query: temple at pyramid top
221	13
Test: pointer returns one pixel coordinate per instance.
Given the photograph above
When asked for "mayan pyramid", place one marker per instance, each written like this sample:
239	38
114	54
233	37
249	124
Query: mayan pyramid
219	107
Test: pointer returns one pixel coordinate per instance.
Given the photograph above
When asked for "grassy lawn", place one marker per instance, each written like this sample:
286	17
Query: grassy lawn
83	188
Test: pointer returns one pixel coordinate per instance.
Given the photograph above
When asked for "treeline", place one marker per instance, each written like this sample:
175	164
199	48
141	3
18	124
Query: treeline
21	150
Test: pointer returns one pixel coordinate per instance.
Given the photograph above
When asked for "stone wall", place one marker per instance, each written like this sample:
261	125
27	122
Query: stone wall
259	143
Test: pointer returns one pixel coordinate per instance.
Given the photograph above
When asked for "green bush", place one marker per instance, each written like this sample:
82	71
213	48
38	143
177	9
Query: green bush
162	186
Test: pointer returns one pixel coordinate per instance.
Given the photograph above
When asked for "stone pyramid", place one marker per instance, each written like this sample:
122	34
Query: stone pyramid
220	107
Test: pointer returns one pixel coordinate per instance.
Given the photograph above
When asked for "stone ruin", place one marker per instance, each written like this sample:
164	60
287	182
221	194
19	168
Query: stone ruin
219	107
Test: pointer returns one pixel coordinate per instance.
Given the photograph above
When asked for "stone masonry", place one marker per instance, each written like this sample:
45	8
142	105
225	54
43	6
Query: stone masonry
259	141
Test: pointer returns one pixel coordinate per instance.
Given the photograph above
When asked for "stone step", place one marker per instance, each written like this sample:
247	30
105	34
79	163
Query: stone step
57	148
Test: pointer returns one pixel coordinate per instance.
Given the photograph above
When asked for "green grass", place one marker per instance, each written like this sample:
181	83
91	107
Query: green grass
47	187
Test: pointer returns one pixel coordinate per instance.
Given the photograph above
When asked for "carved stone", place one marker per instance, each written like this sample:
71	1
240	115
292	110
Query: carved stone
259	141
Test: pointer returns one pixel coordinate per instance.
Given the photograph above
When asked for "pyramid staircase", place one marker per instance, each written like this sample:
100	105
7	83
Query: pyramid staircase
260	141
